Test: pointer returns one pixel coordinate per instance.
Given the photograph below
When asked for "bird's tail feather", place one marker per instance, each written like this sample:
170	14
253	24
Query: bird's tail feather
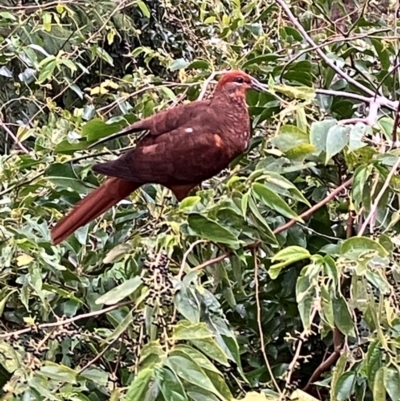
93	205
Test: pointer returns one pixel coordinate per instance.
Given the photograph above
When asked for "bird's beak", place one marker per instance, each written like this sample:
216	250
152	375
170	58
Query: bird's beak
258	86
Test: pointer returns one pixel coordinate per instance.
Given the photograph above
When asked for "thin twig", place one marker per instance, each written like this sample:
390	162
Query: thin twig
211	262
145	89
99	355
14	138
66	321
259	322
317	206
40	6
185	256
395	126
302	338
208	81
74	159
374	207
329	42
284	227
330	92
89	364
328	61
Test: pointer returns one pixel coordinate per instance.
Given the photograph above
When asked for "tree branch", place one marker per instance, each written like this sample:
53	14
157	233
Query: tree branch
383	100
337	346
374	207
259	323
66	321
313	209
14	138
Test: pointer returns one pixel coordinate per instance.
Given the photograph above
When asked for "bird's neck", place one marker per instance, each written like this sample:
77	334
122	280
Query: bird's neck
232	97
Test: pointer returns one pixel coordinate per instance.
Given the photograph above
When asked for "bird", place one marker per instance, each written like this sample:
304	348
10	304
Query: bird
184	146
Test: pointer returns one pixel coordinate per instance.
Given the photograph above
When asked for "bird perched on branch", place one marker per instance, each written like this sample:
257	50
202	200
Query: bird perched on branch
185	146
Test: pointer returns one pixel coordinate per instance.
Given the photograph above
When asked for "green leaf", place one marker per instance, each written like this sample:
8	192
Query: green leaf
47	71
198	394
210	347
178	64
266	230
7	15
211	230
189	203
47	17
373	360
260	59
357	246
140	385
287	256
337	373
120	292
336	139
117	253
196	356
191	372
97	129
327	307
143	8
104	55
379	391
199	64
391	379
62	175
168	92
121	327
68	148
342	315
305	295
296	92
361	176
186	303
274	201
297	395
278	181
170	385
290	137
186	330
376	279
345	386
357	133
96	375
58	372
319	133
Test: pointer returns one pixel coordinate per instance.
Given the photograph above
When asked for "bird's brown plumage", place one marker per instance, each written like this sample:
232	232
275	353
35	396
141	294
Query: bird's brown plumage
185	146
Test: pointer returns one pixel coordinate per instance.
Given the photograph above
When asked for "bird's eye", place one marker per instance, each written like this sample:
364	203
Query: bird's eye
240	80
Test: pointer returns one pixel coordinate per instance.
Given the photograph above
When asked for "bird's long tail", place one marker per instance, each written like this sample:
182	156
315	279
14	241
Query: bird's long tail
93	205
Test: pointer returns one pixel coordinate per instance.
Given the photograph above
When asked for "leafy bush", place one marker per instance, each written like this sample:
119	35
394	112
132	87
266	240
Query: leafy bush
277	279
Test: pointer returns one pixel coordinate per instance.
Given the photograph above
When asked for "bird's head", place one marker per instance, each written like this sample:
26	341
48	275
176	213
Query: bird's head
239	82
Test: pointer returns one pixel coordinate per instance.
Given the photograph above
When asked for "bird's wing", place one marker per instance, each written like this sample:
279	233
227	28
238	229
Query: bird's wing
187	155
163	122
